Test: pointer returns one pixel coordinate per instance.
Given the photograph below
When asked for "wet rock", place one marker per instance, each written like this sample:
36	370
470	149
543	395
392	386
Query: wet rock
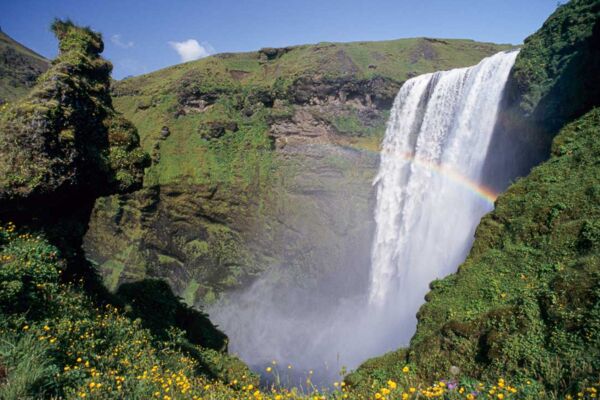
262	96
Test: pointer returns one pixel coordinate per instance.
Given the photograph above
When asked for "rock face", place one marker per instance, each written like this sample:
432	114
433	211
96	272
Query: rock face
268	166
172	232
377	91
216	129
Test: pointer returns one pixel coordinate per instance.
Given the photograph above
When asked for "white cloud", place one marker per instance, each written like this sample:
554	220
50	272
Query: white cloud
190	49
117	40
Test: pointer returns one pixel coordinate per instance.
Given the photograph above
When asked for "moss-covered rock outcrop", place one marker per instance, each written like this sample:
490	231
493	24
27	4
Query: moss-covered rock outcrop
65	138
555	78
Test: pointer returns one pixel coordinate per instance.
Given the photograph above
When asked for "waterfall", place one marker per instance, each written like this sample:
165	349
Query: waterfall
430	194
430	198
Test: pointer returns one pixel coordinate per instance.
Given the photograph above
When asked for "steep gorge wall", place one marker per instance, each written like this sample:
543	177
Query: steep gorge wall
266	162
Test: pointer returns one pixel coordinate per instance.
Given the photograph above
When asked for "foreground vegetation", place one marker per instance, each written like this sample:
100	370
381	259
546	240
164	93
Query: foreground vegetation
58	341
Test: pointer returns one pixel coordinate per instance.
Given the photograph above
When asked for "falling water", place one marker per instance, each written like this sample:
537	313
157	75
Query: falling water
430	194
430	198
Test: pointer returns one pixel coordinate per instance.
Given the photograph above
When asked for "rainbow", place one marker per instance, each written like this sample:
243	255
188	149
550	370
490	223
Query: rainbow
476	188
485	193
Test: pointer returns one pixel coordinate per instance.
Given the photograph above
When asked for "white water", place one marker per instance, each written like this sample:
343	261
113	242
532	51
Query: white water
432	159
434	150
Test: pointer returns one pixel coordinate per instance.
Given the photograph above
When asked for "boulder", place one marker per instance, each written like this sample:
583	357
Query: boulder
216	129
164	132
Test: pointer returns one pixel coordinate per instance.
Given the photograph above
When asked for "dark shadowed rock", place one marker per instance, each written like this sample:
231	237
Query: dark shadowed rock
271	53
164	132
216	129
378	90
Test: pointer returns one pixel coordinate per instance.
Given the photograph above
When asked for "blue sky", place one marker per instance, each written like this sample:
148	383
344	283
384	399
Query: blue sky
143	36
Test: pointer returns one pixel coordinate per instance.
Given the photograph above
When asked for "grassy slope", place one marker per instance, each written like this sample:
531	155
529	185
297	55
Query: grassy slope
58	341
19	67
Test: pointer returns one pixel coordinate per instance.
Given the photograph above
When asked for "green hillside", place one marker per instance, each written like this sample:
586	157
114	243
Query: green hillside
19	68
232	84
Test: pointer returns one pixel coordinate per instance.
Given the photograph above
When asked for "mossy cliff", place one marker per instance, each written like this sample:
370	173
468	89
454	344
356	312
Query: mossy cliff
260	160
62	335
526	301
555	77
